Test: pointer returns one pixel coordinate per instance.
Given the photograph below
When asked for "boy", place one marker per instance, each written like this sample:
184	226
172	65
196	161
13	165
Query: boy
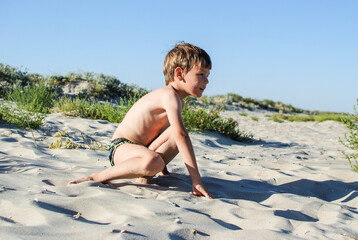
152	133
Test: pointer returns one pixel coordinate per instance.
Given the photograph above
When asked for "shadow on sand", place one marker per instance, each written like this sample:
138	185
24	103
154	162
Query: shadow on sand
257	191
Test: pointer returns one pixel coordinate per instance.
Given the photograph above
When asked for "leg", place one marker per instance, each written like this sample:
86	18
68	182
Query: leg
166	147
131	161
135	161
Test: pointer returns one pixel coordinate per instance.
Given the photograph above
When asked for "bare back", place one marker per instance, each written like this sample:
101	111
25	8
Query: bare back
147	118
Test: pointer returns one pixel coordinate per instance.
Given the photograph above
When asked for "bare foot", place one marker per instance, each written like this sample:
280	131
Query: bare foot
164	171
144	180
82	179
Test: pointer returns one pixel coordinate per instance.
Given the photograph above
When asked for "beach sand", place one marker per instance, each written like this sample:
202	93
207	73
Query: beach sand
291	183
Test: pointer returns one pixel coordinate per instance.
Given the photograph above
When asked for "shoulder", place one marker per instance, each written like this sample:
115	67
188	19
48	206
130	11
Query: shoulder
166	98
165	94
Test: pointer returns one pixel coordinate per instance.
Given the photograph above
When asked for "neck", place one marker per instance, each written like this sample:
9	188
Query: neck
182	94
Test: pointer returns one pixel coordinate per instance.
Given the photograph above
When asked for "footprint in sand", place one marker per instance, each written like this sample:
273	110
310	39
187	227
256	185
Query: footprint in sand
68	212
9	220
48	182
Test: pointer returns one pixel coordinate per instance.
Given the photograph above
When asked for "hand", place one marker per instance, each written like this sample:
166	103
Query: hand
200	190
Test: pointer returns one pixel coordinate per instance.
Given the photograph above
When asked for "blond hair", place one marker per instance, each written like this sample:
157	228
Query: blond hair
185	56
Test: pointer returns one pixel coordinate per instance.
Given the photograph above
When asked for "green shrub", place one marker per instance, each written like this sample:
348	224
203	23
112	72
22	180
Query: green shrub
13	75
234	97
56	80
26	106
276	119
36	98
205	119
21	118
102	87
268	103
10	76
306	118
95	109
351	122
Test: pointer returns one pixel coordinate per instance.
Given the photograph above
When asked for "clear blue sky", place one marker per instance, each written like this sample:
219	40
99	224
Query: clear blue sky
301	52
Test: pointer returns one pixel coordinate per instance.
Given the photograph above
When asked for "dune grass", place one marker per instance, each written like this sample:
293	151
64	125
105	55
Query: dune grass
249	103
351	139
195	118
306	118
27	106
36	98
24	119
208	119
29	97
113	112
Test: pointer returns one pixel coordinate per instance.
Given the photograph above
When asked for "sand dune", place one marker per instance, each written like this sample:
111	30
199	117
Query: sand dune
292	184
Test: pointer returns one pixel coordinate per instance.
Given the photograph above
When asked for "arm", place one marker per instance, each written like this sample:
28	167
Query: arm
173	107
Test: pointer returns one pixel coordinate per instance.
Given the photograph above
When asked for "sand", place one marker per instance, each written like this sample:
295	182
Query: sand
294	183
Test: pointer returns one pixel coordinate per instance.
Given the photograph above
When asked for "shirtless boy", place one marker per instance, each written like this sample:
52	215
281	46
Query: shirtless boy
152	133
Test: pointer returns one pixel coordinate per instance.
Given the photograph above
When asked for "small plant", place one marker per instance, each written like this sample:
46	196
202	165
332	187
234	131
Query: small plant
10	76
306	118
36	98
61	134
94	145
26	106
234	97
276	119
24	119
351	122
94	109
254	119
71	145
56	144
206	119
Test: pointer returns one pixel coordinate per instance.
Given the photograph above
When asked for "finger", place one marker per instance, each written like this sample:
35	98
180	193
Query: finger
201	191
207	195
197	193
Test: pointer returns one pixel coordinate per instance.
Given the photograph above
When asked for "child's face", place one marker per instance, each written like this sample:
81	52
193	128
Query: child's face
196	80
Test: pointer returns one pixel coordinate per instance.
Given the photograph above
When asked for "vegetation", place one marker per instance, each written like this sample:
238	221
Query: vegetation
99	87
70	144
351	122
208	119
306	118
27	106
24	119
29	97
33	98
250	103
113	112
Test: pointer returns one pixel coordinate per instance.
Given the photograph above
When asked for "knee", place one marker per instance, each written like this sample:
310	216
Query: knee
153	164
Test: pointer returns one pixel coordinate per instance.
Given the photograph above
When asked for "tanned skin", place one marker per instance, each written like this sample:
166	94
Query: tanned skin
155	124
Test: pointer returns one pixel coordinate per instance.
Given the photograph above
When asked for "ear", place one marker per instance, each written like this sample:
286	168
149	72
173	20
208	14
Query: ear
179	73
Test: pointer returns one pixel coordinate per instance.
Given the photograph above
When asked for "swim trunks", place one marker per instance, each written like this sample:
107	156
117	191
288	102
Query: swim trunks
114	145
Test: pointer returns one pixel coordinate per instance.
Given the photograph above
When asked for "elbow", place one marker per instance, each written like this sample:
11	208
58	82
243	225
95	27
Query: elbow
181	134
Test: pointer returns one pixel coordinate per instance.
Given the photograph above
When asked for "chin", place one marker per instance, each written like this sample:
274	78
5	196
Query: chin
197	94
